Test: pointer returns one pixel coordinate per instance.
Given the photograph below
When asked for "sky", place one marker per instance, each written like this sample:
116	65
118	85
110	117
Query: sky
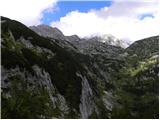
64	7
125	19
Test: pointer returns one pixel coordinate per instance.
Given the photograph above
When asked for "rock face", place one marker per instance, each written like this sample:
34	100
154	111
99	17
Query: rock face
110	40
48	31
48	75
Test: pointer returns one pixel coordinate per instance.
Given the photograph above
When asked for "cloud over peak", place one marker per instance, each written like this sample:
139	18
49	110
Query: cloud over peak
121	19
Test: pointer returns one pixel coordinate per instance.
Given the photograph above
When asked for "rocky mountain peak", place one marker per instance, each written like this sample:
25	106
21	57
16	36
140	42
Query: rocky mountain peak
73	38
110	40
48	31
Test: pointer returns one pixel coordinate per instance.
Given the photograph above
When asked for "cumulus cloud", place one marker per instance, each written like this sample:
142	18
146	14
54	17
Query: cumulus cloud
132	8
122	19
29	12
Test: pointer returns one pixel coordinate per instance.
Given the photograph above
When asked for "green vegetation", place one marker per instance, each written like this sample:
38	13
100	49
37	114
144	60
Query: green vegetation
24	103
62	67
137	91
142	66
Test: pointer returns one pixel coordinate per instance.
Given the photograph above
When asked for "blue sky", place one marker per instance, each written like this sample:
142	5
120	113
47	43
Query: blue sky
64	7
146	15
124	19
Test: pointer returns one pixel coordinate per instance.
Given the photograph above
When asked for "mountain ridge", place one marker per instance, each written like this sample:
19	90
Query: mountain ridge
53	78
108	39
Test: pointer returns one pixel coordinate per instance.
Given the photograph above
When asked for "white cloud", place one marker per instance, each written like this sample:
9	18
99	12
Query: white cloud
132	8
121	19
29	12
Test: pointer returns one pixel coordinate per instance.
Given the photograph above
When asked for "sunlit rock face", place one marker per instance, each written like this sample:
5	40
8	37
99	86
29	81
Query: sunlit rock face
45	74
87	104
110	40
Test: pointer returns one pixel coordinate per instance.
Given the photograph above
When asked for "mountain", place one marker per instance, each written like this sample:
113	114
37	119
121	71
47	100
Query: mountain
47	31
53	33
106	44
144	48
48	75
111	40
